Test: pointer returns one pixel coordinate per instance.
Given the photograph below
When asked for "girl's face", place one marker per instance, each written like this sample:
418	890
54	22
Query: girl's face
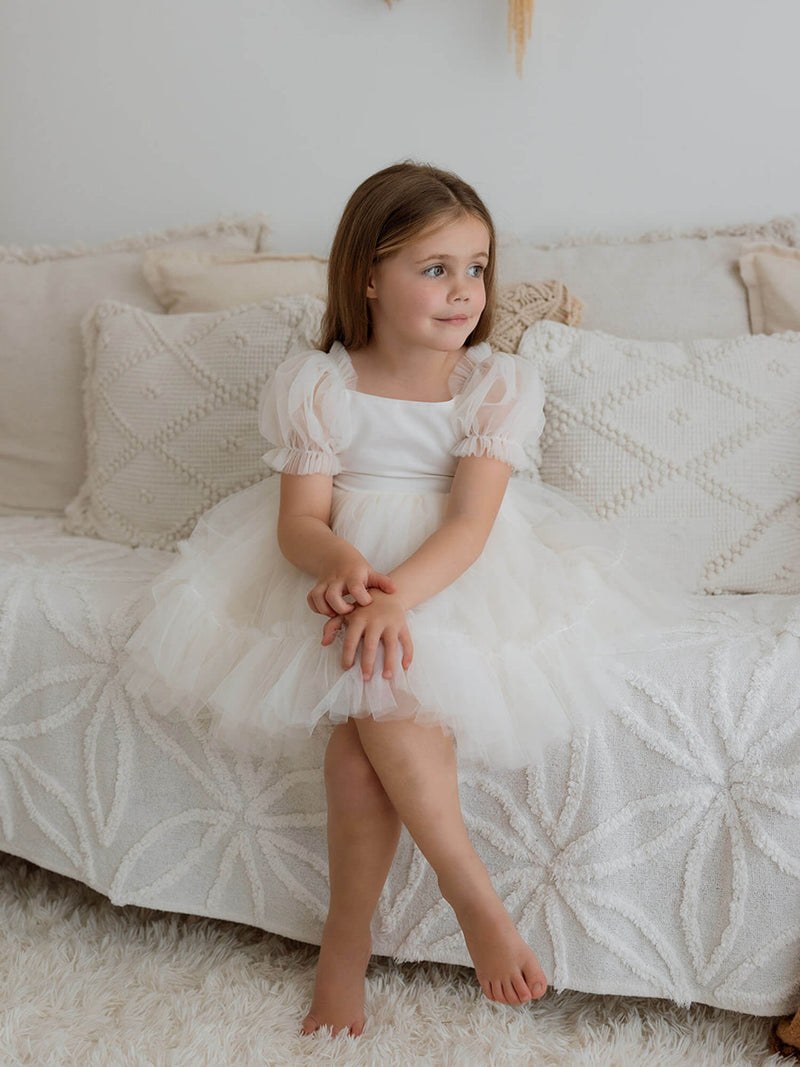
430	294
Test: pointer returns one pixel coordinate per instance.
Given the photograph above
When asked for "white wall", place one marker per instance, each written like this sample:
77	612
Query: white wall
118	116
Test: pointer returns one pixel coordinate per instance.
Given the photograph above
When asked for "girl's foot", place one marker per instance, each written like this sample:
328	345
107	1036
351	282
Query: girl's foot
505	965
339	985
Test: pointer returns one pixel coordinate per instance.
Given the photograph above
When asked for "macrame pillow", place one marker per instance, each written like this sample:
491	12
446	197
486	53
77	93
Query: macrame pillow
520	305
171	412
703	435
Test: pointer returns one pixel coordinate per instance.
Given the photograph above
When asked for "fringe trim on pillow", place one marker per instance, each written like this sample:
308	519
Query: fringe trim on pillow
783	228
254	226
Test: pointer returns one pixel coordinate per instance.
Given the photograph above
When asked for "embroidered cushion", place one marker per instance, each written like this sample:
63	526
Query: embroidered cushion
171	412
702	434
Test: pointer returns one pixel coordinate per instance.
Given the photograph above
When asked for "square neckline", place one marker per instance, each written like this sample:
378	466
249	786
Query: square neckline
400	399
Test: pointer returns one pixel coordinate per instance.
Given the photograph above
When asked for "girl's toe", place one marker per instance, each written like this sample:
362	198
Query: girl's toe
510	994
536	982
521	989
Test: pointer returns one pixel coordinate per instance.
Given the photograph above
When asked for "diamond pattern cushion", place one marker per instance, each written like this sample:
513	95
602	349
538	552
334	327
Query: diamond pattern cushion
171	412
704	434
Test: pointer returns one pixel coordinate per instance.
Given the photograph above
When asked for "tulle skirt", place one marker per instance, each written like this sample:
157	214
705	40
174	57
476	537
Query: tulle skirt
529	643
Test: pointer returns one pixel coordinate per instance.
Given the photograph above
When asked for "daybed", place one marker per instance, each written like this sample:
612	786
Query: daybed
658	856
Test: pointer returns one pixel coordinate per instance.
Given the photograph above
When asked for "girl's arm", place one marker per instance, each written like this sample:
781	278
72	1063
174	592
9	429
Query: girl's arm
477	492
306	540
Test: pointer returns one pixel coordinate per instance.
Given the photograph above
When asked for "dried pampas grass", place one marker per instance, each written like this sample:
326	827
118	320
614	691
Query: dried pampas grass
520	18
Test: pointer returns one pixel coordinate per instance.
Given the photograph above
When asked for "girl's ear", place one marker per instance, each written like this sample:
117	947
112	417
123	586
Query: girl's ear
372	281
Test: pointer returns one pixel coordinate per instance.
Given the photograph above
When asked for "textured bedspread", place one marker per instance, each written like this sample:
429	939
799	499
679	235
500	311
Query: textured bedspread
658	856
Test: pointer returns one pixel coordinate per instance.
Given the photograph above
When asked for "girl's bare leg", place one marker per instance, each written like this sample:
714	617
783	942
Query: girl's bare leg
363	831
417	767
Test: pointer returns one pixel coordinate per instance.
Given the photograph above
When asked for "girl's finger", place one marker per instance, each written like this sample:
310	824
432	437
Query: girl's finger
331	628
316	601
408	647
350	644
381	581
372	639
389	654
335	599
360	594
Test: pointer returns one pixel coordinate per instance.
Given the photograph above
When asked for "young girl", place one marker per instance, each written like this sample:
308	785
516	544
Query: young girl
464	613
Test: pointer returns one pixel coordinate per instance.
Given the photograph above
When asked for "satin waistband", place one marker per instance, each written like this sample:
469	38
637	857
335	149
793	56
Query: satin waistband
377	483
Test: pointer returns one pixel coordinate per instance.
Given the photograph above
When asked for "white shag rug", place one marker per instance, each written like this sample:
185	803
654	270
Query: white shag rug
83	982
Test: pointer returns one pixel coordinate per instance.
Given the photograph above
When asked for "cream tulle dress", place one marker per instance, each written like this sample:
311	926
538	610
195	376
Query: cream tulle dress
528	643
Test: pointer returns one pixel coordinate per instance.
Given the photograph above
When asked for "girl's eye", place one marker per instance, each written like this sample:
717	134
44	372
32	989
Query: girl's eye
475	271
429	271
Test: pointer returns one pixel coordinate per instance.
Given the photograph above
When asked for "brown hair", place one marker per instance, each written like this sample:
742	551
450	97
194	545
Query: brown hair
386	212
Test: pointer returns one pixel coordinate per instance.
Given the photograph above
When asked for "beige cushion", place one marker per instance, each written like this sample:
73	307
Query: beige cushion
660	286
44	293
171	412
185	281
772	276
702	434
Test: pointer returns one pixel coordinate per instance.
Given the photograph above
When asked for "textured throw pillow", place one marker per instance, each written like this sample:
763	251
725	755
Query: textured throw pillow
171	412
44	294
185	281
703	433
519	306
660	286
772	276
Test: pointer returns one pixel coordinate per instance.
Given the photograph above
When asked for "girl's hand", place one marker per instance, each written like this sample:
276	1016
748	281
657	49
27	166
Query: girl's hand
348	575
382	620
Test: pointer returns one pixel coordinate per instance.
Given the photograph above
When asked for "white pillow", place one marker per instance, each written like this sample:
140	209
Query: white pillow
171	412
660	286
704	433
44	294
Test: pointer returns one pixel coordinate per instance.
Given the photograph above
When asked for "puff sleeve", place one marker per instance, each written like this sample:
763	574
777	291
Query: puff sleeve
500	408
303	411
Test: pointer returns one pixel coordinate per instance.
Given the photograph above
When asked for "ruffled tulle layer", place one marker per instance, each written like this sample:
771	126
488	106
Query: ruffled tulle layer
529	643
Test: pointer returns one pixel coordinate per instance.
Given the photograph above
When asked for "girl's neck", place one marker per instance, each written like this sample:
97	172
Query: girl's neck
410	374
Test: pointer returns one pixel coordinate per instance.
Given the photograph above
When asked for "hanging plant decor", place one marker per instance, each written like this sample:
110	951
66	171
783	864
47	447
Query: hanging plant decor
520	18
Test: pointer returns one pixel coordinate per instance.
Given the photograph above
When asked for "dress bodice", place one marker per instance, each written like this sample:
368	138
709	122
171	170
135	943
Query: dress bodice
398	445
320	423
